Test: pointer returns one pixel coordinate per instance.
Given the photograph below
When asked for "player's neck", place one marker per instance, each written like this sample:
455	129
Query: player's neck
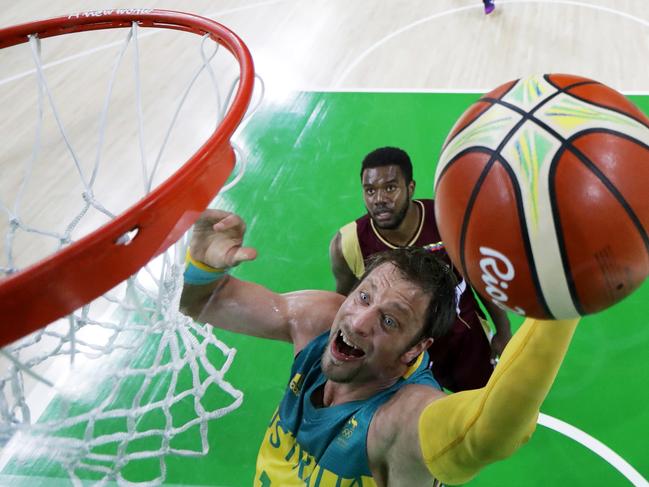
404	233
335	393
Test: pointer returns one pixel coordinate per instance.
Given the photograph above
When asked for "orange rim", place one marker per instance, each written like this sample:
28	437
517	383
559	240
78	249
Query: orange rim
61	283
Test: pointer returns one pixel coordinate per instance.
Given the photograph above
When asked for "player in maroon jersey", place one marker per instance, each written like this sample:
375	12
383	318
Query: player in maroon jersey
463	359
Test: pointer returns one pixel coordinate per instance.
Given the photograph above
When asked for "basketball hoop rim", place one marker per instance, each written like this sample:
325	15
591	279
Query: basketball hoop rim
84	270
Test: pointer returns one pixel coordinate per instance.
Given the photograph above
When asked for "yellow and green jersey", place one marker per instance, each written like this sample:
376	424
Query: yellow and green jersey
306	445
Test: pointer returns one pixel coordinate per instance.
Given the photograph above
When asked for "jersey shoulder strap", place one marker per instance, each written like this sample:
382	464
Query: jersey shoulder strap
351	249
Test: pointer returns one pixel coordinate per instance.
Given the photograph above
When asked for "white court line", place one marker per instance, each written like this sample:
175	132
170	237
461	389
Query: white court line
364	54
451	91
110	45
445	13
361	89
397	33
596	446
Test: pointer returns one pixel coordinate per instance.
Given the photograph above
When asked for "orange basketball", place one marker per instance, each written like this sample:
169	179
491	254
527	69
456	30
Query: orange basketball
542	196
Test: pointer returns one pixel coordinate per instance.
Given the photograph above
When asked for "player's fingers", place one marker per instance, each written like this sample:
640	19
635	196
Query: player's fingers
208	218
228	222
214	215
244	254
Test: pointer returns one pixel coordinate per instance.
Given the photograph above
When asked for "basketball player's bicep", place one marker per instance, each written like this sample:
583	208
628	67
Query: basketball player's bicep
247	308
427	428
393	444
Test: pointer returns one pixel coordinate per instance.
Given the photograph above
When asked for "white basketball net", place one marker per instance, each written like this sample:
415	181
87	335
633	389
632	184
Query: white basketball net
126	379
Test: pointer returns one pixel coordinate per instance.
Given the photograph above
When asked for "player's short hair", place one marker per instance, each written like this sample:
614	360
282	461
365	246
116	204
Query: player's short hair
389	156
434	276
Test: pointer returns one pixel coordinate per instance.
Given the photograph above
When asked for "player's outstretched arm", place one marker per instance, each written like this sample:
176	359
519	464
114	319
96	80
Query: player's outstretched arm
425	433
245	307
463	432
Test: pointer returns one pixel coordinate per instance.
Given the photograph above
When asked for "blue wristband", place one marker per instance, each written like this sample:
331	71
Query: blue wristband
199	274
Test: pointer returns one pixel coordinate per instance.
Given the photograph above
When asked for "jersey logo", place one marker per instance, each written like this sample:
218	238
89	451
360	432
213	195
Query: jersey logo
434	247
347	431
296	384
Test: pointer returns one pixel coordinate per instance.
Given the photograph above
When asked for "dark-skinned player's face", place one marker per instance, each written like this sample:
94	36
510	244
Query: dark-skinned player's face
386	195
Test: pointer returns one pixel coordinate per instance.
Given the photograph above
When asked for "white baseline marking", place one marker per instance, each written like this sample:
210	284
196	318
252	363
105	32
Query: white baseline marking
445	13
596	446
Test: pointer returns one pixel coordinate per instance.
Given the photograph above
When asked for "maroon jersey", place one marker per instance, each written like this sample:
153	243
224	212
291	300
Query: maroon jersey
460	360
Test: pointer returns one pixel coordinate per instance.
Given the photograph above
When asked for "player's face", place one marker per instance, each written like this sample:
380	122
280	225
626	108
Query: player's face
372	335
386	195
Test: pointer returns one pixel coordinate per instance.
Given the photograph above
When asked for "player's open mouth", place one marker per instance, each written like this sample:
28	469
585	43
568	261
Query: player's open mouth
344	349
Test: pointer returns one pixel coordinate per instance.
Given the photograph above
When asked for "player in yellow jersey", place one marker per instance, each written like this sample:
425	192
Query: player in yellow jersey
359	376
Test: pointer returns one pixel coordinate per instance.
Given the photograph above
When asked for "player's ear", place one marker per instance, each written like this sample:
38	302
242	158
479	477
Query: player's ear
411	187
413	352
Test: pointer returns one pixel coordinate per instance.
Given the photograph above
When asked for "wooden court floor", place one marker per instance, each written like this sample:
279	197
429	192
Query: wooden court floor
372	73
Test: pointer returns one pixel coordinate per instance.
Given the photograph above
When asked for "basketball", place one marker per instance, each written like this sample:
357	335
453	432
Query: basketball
542	196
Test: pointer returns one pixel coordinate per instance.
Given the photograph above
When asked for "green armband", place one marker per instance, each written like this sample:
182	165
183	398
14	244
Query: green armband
198	274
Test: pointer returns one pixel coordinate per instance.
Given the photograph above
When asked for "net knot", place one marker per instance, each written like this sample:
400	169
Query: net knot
14	223
88	197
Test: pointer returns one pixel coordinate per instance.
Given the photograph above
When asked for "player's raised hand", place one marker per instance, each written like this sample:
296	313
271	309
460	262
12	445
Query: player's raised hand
217	240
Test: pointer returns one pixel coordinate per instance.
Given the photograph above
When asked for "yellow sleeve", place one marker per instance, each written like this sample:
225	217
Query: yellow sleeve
351	249
463	432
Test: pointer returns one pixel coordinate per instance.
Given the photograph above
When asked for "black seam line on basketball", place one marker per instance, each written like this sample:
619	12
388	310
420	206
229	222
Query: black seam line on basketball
490	162
467	212
475	148
540	296
622	135
529	115
547	78
526	115
494	153
558	229
566	89
479	115
568	143
506	92
585	100
446	143
607	182
521	218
